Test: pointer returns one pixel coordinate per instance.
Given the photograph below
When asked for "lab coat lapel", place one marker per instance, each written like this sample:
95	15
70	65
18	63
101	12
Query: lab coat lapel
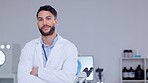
39	53
54	52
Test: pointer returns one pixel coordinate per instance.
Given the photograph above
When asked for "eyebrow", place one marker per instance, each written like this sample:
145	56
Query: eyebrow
46	16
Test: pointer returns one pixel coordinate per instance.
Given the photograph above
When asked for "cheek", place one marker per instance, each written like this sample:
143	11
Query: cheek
39	24
49	22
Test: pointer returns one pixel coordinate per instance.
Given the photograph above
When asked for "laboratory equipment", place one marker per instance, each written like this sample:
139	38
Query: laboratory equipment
81	77
99	71
9	57
85	69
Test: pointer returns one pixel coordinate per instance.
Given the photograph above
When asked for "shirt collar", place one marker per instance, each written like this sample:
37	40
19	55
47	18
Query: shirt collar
54	41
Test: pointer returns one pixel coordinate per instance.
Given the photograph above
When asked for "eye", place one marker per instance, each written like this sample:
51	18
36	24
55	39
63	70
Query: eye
48	18
40	19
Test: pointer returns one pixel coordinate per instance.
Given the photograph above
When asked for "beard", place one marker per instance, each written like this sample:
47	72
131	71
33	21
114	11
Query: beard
48	33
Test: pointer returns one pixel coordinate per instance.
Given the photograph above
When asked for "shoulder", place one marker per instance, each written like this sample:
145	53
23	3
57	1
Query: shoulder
68	48
32	43
66	43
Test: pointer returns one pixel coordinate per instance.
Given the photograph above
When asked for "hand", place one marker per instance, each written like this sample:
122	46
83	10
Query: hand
34	71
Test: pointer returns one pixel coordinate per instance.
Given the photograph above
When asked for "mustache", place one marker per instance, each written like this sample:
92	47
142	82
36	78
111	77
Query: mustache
45	26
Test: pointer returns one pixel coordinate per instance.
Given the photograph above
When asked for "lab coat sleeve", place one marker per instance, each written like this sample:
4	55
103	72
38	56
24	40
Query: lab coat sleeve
25	67
68	71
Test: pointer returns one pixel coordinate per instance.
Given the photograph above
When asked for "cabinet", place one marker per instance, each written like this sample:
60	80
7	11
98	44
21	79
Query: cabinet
134	62
8	78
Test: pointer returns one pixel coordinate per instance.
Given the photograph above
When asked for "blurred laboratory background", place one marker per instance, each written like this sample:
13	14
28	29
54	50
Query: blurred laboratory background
99	28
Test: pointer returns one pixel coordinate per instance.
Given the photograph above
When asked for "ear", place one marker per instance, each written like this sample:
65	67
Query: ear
56	21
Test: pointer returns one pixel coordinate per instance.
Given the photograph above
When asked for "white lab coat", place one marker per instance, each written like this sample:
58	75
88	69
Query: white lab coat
61	66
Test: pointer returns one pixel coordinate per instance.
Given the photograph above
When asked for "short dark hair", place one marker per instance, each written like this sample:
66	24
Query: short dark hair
47	8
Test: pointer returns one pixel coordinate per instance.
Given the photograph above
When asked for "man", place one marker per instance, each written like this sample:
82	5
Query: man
49	58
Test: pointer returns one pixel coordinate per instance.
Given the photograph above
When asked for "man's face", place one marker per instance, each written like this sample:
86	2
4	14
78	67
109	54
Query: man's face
46	23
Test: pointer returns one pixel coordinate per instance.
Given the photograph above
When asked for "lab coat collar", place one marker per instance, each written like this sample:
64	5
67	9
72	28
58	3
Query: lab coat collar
55	49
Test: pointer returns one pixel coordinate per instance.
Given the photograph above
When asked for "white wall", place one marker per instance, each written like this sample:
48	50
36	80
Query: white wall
102	28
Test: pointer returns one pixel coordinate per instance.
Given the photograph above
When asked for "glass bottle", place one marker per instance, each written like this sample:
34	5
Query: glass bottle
125	74
139	73
131	74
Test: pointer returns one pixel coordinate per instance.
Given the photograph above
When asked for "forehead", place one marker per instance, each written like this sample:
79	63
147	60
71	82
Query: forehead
44	13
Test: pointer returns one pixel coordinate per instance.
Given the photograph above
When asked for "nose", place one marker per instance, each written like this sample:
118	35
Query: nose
44	22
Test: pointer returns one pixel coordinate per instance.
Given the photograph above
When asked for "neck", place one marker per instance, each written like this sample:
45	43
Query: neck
48	40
